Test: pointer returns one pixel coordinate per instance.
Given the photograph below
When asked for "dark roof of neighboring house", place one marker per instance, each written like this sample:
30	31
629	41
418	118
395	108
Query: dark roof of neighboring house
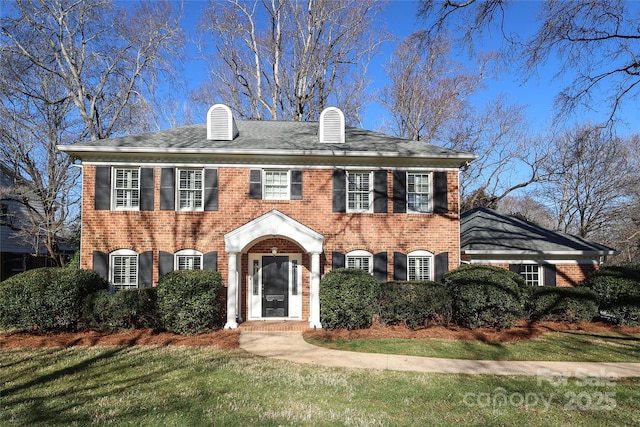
264	139
485	231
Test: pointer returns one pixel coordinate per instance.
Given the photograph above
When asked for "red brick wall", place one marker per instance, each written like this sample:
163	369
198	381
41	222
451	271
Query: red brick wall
566	274
172	231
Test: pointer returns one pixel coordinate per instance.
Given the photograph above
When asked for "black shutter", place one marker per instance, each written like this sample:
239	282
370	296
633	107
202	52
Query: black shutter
549	275
296	184
210	189
210	261
145	269
166	263
380	196
102	188
147	189
167	189
255	184
337	260
339	190
101	264
440	193
442	265
380	266
399	191
399	266
516	268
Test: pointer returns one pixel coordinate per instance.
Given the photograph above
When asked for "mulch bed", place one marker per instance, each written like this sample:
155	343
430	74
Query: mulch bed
230	339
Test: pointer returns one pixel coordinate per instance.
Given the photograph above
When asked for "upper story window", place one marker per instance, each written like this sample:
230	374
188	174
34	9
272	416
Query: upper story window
420	265
126	188
276	185
124	269
188	260
419	192
359	191
190	190
362	260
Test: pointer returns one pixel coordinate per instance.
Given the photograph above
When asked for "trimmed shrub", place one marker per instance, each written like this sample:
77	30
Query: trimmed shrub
47	298
413	303
577	304
188	300
483	296
125	309
348	298
618	291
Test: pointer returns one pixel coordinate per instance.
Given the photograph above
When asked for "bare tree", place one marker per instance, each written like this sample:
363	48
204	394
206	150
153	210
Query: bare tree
286	59
427	90
593	181
72	71
596	42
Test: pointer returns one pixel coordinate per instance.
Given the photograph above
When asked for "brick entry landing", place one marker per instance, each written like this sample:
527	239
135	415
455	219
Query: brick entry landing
274	325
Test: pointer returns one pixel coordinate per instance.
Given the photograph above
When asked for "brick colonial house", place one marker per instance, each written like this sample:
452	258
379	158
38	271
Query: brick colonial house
544	257
272	205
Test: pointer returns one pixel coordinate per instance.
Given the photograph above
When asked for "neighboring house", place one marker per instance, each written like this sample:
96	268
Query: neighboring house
271	205
544	257
19	251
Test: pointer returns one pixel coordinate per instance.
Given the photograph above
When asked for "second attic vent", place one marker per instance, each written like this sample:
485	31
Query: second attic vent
331	126
220	124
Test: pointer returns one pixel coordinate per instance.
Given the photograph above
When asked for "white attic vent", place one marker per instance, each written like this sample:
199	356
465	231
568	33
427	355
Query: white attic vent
220	124
332	126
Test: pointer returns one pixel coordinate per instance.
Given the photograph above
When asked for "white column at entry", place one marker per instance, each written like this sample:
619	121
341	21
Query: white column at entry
232	292
314	292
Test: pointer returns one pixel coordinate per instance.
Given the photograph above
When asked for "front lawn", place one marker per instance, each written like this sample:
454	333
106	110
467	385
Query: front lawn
174	385
574	346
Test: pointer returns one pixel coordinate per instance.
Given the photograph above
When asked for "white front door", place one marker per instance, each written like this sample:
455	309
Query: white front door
275	286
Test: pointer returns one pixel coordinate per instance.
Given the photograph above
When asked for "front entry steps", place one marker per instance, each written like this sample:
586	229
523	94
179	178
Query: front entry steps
274	326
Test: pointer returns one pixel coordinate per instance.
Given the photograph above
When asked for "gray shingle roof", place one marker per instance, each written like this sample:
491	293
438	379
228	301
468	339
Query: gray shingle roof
485	230
269	137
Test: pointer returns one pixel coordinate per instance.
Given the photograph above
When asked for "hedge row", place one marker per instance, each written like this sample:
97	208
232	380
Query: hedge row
47	298
472	296
68	299
617	289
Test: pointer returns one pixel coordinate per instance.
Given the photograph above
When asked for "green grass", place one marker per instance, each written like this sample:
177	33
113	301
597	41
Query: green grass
572	346
193	386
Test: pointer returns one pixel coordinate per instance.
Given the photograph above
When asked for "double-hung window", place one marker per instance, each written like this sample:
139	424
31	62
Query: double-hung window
190	190
419	192
124	269
188	260
126	188
276	184
532	274
362	260
359	192
420	266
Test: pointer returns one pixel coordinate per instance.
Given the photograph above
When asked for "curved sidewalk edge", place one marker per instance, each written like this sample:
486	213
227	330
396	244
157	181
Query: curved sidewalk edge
291	346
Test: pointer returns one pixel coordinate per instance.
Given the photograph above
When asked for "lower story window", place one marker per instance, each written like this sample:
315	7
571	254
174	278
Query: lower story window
420	266
124	269
362	260
532	274
188	260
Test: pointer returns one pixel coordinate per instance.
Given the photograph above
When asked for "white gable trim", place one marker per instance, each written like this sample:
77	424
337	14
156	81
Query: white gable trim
273	223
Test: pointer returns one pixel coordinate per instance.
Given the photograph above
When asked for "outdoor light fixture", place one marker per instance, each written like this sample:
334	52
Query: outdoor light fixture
274	250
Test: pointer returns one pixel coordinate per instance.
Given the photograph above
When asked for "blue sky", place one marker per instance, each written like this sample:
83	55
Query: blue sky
537	94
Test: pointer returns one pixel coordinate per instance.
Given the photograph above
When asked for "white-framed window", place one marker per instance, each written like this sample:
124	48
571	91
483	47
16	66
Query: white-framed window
126	188
124	269
419	192
359	191
190	189
276	184
188	259
532	274
362	260
420	265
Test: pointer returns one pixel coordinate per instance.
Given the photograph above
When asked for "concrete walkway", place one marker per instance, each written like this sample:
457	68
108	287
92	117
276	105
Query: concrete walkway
291	346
